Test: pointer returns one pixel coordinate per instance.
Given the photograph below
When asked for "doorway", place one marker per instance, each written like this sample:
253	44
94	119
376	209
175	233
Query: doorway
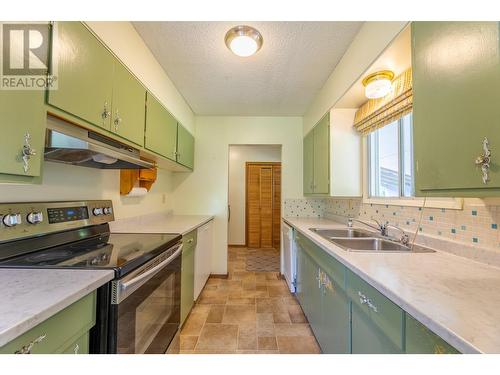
254	205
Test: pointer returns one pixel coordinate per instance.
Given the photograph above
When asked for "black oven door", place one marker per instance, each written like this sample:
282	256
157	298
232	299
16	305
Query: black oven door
145	309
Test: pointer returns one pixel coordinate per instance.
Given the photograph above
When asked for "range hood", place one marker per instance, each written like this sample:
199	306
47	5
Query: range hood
69	144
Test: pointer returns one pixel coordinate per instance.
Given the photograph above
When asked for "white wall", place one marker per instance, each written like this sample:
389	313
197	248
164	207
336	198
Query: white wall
127	45
372	39
238	157
61	182
205	191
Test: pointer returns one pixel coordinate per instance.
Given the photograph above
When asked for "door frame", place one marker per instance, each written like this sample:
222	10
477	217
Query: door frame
263	163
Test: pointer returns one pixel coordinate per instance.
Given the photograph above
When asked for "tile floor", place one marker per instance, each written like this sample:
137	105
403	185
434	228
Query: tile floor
249	312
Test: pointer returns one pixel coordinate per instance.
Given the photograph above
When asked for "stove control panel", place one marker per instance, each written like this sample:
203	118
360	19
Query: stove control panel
19	220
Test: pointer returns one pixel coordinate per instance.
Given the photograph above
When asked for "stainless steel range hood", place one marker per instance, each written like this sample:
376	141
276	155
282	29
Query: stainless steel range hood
70	144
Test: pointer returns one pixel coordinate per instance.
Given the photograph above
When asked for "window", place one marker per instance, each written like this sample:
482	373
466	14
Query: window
390	160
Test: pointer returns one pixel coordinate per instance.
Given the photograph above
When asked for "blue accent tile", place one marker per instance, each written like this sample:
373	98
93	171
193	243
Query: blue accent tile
393	214
463	227
376	211
443	210
440	233
431	218
474	213
386	206
453	230
420	208
475	240
494	226
420	229
407	223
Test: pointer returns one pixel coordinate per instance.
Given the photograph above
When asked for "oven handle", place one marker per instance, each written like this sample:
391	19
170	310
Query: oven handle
151	272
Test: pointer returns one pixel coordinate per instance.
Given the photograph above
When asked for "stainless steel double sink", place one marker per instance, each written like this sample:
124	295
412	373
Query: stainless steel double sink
352	239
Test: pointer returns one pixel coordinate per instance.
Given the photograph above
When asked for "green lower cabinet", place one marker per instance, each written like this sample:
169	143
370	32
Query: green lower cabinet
187	274
420	340
185	147
65	332
79	346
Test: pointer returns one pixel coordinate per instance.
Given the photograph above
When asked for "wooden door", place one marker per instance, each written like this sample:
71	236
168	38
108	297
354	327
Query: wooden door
263	205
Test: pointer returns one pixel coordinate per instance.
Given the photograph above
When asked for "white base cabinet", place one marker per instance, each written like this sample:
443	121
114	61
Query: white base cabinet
203	257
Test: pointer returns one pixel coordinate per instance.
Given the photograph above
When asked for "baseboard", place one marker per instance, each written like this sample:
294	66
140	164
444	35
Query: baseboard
219	275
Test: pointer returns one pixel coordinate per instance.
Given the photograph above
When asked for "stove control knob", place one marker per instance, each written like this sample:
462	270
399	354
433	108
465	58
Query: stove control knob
34	217
97	211
107	210
11	220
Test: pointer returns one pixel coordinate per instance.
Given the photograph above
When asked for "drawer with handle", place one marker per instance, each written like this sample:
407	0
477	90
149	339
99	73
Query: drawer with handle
57	333
382	312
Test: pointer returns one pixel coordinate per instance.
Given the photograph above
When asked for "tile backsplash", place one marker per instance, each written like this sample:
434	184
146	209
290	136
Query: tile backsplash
474	225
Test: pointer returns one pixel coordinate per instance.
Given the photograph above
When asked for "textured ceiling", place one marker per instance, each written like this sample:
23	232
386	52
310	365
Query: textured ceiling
280	80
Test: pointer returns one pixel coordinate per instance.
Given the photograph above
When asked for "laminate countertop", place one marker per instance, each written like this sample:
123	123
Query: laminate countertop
455	297
159	223
30	296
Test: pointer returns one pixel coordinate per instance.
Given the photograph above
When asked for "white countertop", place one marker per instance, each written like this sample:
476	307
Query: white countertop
30	296
159	223
455	297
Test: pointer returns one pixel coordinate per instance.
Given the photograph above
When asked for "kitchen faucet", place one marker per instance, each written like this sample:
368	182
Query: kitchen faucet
382	229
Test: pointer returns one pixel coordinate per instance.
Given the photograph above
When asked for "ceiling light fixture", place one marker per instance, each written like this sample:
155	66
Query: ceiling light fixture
243	40
378	84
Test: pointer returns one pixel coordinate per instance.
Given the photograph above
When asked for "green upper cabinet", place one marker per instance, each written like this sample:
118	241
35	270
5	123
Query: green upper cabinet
161	129
129	105
420	340
456	96
317	159
84	70
185	147
23	129
309	163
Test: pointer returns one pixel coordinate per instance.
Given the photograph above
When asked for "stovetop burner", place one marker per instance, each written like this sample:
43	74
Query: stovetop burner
48	257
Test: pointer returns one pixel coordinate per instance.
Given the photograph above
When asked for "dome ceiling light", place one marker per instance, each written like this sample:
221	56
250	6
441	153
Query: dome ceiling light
243	40
378	84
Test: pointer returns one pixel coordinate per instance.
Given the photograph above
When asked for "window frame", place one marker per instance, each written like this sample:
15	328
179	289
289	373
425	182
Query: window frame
431	202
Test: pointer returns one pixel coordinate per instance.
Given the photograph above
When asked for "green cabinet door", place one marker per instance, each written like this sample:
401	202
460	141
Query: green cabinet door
456	96
322	156
366	337
377	324
185	147
308	168
420	340
161	129
59	333
129	105
84	71
187	274
23	121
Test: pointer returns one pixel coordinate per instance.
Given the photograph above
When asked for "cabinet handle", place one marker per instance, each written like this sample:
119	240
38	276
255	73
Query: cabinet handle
483	161
26	349
190	240
117	120
365	300
105	113
77	349
27	152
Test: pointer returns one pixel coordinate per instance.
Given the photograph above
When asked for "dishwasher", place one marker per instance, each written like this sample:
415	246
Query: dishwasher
288	256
